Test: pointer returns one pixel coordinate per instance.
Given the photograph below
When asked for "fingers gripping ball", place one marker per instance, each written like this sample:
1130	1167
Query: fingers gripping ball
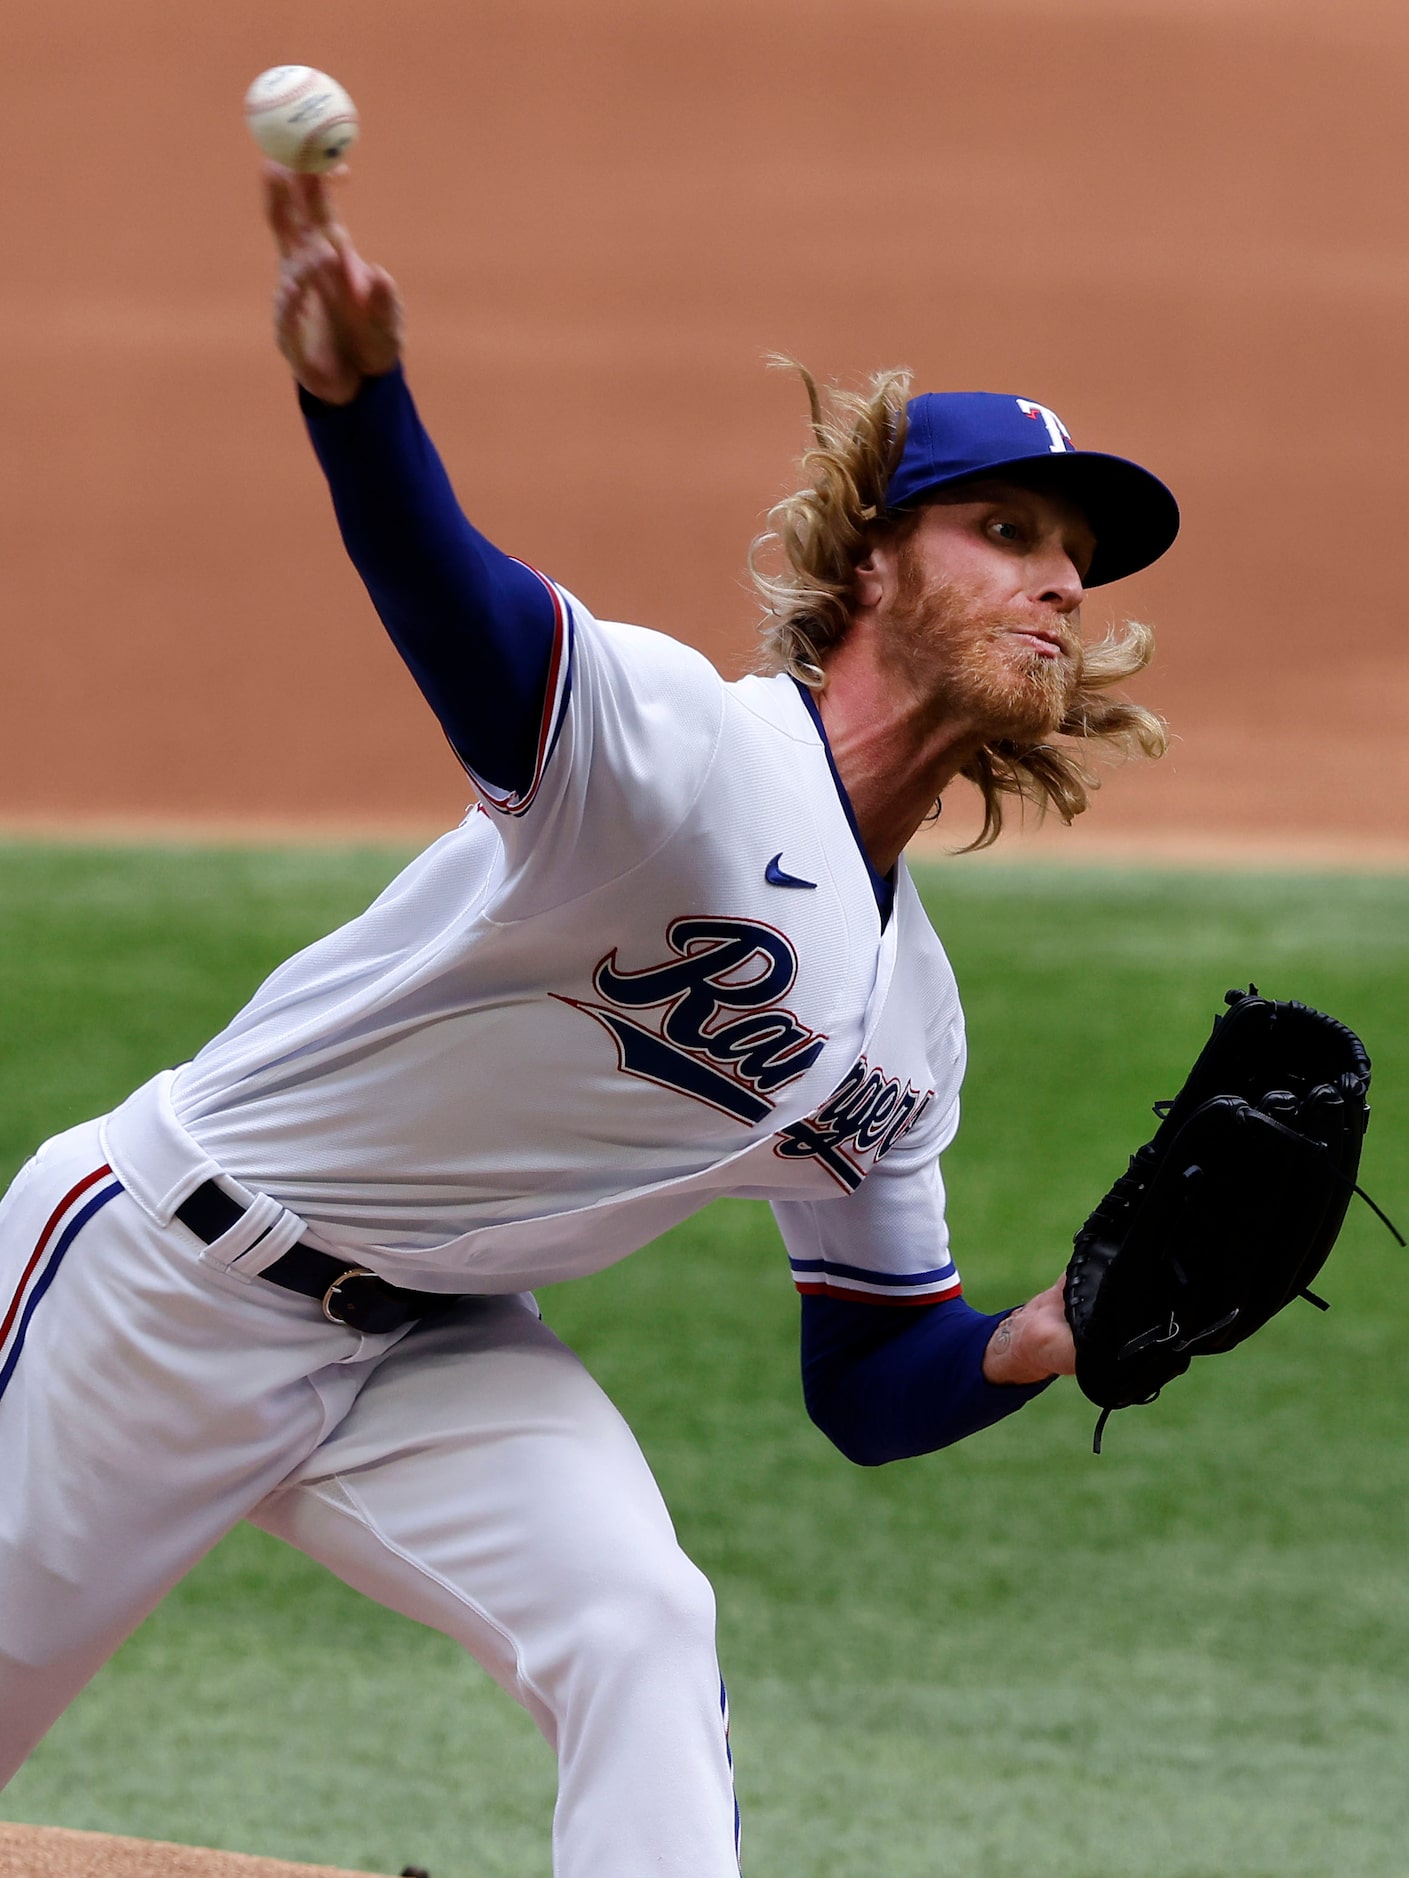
301	118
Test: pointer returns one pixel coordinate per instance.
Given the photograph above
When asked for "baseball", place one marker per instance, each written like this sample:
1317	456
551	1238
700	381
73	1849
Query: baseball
301	118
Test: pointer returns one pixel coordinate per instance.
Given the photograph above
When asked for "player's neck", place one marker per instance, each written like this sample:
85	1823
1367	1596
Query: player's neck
894	750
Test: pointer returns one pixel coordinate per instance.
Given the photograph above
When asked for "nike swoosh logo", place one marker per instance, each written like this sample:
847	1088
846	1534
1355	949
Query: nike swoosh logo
775	876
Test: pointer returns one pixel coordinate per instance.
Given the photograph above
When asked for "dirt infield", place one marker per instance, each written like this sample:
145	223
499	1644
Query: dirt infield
51	1852
1180	223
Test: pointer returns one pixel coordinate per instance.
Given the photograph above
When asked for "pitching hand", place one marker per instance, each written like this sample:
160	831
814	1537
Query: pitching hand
1034	1342
337	319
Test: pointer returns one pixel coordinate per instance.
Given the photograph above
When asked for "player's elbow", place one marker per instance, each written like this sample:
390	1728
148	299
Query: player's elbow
851	1434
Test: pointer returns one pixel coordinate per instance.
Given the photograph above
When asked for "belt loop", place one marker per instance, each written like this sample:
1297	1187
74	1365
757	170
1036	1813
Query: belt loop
264	1232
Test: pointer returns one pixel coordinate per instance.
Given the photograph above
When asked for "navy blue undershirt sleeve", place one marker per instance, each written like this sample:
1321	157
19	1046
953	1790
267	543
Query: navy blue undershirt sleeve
885	1384
475	627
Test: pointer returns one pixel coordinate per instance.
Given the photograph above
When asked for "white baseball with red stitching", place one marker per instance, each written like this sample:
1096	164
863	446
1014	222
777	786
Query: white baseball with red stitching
301	117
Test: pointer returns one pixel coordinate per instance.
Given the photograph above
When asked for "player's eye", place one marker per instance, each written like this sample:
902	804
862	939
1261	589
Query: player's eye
1004	529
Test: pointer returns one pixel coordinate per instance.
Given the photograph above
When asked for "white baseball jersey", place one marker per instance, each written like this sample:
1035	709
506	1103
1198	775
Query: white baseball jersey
656	976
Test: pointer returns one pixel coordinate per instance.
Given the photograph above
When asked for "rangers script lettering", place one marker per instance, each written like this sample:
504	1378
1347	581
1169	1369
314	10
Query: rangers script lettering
869	1110
719	966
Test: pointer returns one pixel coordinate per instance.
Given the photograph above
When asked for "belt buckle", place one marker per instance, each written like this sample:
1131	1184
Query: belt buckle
353	1271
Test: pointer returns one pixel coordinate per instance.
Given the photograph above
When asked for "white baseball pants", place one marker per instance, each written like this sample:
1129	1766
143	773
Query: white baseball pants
468	1473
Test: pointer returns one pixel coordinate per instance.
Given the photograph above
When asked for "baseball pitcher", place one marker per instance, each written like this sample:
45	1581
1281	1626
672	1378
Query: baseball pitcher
672	952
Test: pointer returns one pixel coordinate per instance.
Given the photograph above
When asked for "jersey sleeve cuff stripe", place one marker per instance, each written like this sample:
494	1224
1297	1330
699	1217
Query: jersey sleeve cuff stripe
555	697
830	1279
878	1294
834	1272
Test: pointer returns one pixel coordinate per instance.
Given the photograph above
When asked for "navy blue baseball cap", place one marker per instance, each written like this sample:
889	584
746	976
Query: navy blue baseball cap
956	435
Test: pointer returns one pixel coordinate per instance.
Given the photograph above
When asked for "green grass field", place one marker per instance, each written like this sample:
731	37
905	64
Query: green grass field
1185	1659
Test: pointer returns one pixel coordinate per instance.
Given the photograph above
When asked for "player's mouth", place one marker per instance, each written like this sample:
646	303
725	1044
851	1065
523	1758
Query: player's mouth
1047	645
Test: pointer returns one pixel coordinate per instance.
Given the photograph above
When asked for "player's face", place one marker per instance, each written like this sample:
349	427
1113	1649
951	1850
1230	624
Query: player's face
984	605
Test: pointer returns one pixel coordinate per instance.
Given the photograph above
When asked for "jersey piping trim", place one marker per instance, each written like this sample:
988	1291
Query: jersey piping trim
556	692
637	863
883	889
827	1278
61	1229
729	1759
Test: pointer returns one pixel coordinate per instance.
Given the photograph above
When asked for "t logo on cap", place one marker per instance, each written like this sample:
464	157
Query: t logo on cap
1056	429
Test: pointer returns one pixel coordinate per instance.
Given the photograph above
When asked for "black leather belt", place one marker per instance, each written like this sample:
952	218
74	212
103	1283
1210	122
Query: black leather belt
349	1294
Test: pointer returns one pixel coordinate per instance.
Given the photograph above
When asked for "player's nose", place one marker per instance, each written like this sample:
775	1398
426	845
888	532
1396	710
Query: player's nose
1059	583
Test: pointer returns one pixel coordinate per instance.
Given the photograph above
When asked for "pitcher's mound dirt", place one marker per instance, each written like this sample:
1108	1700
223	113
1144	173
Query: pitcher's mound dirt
54	1852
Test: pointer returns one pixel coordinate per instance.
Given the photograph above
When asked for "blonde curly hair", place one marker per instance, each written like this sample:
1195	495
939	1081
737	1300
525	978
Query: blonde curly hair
817	537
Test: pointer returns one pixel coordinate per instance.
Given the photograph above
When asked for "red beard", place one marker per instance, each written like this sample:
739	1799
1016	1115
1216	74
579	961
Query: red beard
966	656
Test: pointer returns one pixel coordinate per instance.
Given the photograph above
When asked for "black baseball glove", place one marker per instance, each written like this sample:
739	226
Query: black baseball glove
1230	1211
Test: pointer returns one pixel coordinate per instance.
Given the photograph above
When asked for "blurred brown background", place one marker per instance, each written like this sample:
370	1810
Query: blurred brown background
1183	223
